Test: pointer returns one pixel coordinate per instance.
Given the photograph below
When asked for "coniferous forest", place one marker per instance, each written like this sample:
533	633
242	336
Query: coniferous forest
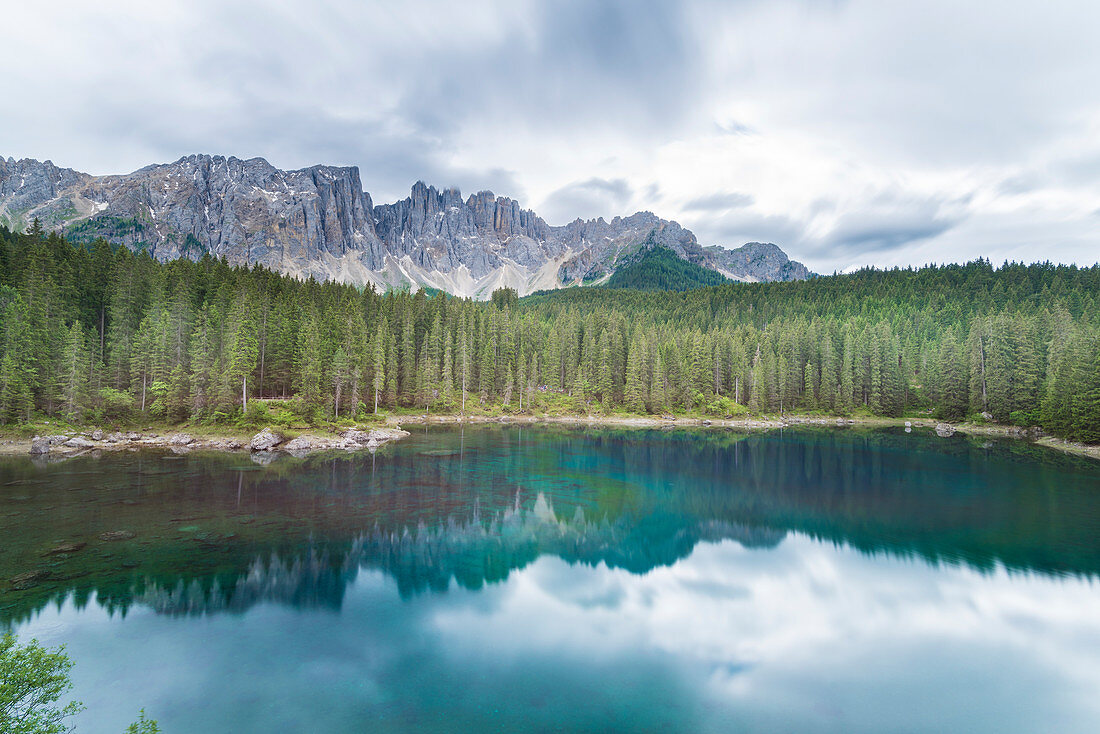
95	334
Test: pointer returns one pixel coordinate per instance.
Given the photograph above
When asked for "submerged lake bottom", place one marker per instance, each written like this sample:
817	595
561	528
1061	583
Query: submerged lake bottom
548	578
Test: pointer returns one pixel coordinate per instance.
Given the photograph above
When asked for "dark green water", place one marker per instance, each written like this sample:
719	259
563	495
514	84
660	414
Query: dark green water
549	579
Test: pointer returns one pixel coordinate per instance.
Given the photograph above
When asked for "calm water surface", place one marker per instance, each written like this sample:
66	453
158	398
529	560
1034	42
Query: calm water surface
550	579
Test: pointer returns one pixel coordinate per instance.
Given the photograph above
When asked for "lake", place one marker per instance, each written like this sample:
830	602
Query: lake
545	578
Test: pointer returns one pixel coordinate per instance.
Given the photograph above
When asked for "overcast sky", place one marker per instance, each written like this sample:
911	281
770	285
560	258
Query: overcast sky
848	133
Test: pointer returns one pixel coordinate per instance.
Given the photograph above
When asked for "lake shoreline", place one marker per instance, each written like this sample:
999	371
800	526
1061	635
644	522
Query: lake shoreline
176	438
76	442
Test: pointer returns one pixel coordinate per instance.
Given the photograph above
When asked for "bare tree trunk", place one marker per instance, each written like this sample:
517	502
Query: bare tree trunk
244	392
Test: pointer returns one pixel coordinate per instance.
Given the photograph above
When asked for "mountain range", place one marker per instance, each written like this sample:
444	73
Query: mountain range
319	222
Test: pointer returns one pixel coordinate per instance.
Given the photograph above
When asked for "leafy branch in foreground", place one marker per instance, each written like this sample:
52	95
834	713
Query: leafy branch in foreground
33	679
143	726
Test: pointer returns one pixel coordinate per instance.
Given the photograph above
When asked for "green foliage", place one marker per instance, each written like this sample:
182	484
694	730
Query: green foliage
107	226
504	297
91	333
255	415
33	680
115	404
725	407
1023	418
143	725
659	268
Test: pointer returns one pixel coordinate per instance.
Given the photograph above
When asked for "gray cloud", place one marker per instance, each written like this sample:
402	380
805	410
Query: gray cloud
871	233
736	227
589	199
718	202
502	95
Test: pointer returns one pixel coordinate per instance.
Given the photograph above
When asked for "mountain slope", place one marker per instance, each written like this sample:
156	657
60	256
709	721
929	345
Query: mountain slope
319	222
659	268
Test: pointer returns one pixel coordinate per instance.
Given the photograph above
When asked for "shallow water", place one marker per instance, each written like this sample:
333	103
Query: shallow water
554	579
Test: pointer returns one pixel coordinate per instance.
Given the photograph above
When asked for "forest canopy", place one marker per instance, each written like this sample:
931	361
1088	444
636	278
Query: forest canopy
98	334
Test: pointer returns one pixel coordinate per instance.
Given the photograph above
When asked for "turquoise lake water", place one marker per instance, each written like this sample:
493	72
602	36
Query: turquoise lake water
546	578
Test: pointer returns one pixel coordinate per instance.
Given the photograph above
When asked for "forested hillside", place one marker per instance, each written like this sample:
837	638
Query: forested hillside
658	268
98	335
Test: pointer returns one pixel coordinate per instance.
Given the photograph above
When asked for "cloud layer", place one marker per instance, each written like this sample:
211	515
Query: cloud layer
807	636
849	132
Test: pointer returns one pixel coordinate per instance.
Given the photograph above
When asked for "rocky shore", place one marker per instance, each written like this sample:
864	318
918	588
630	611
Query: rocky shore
268	441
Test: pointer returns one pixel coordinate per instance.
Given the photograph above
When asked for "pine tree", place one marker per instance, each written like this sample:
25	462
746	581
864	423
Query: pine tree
758	390
204	355
1086	403
846	396
309	364
72	373
809	390
637	380
604	381
827	392
487	369
378	362
242	349
658	392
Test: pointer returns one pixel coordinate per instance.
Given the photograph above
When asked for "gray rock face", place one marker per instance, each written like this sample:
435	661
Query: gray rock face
758	260
318	222
79	442
266	440
40	445
306	443
945	430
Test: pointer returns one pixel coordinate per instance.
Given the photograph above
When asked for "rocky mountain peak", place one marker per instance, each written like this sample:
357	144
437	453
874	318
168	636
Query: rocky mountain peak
319	222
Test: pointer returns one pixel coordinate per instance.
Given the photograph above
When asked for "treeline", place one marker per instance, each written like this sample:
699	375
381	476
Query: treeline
96	334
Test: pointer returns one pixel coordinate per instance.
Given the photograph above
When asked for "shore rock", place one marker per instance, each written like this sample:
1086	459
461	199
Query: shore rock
40	446
1032	433
379	436
79	442
355	436
306	443
266	440
180	439
945	430
97	435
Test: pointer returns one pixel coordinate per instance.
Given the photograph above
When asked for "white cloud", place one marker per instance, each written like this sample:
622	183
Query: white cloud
885	133
804	636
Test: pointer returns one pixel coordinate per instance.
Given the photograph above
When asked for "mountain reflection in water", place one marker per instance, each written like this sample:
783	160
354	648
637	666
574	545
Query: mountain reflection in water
218	533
